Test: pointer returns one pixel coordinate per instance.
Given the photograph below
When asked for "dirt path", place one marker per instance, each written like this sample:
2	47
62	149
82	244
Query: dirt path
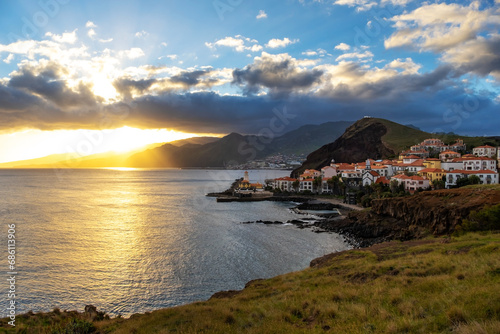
339	202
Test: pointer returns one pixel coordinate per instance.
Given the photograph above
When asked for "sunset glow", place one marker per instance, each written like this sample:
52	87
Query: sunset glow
32	144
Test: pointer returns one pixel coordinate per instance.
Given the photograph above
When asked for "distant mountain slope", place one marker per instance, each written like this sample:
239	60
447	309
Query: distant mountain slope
377	139
73	160
194	140
216	154
306	138
237	149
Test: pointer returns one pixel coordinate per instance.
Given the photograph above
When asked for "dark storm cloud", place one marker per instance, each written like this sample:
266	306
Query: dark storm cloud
280	75
37	98
127	86
45	82
394	88
183	81
188	79
480	56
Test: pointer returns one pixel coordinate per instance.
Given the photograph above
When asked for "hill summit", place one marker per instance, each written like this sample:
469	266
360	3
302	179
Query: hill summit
374	138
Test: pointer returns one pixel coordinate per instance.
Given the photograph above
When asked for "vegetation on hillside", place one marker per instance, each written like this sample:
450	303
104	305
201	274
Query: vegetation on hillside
427	286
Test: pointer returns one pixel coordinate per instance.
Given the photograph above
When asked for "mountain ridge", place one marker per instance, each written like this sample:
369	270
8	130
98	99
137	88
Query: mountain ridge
377	138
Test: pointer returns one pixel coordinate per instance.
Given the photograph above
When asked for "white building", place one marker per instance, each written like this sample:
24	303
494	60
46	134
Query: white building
485	151
449	155
478	163
452	165
328	172
306	184
412	183
284	183
486	176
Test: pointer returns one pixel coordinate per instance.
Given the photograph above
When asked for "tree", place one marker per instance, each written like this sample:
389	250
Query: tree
438	184
474	179
318	181
465	181
296	185
334	184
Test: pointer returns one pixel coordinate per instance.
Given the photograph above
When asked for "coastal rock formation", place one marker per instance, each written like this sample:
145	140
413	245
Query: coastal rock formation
404	218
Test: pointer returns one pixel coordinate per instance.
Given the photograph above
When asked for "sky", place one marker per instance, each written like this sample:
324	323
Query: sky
91	76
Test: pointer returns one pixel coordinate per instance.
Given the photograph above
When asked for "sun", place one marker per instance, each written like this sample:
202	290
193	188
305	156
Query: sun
103	87
32	144
127	138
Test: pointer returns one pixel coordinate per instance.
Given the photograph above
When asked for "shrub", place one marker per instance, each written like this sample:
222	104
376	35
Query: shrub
486	219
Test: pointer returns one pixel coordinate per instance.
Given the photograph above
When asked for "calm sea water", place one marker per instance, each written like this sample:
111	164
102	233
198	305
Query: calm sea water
138	240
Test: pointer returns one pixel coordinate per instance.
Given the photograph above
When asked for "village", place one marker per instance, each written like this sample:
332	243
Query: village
425	166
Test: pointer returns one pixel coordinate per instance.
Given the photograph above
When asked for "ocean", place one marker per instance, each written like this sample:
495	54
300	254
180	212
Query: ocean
132	241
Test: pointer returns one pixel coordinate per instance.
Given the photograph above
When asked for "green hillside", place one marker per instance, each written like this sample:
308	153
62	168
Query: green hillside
400	137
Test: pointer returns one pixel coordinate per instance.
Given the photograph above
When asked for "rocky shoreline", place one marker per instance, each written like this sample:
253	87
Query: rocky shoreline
407	218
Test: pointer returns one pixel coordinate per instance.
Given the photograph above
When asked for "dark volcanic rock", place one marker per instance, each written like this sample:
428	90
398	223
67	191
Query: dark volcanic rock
404	218
361	141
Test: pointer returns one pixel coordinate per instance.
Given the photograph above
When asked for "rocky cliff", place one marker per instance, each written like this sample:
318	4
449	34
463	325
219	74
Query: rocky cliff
404	218
360	141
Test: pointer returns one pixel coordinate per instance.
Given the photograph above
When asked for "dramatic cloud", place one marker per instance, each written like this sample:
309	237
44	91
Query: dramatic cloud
281	74
59	82
480	56
44	81
466	36
438	27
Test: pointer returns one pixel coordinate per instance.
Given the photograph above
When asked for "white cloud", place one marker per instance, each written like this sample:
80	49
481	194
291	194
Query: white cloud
238	43
262	15
91	33
407	65
9	58
280	43
319	52
67	37
133	53
343	47
310	53
171	57
367	55
90	24
437	27
106	40
396	2
361	5
141	34
164	44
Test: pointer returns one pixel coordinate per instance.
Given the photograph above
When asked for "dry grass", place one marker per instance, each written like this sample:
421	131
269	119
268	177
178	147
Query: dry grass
432	286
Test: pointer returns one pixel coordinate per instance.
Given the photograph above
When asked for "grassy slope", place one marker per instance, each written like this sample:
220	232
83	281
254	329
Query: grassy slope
425	286
400	137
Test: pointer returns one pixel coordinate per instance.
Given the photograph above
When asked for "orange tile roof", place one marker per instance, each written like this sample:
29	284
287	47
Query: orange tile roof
383	180
432	170
462	171
286	178
485	146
